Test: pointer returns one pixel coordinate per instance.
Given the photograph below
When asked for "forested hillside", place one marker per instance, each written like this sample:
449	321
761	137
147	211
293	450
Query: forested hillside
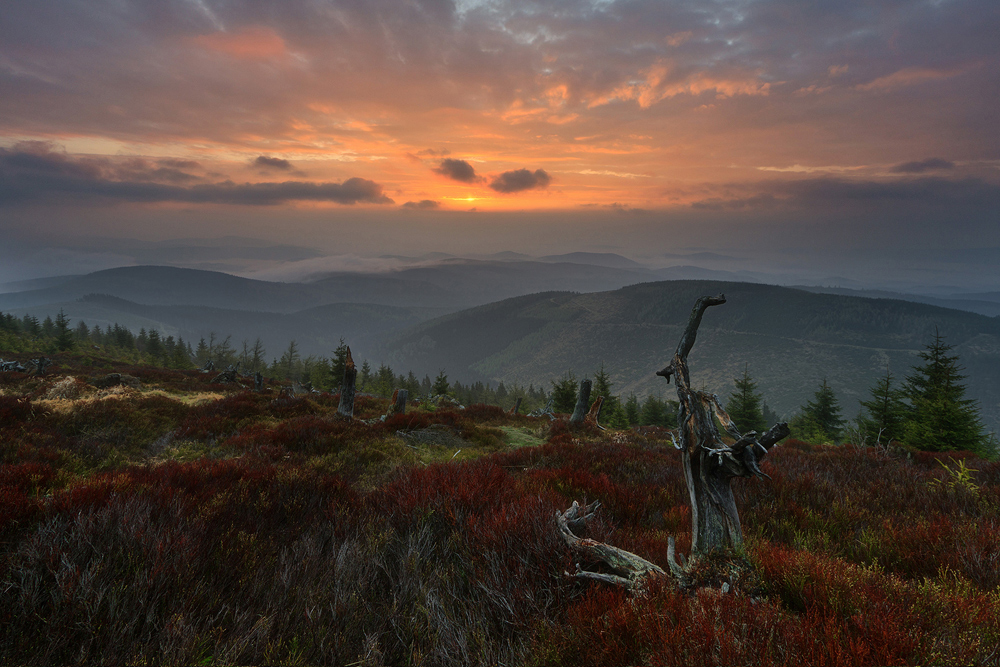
791	340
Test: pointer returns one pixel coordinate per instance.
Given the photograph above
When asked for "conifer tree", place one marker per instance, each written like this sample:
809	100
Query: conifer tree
339	363
745	405
64	335
939	417
564	393
441	385
365	376
632	410
820	418
882	416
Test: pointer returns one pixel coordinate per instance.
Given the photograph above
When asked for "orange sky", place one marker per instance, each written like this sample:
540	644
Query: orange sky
744	109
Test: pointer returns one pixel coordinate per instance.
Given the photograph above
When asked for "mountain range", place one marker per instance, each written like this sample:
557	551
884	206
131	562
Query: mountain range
516	320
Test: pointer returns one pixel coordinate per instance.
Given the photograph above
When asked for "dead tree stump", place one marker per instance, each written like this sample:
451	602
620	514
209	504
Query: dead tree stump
709	466
398	404
595	413
582	402
709	463
346	407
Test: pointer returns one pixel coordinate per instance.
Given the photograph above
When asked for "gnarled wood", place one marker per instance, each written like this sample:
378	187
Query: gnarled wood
709	463
628	569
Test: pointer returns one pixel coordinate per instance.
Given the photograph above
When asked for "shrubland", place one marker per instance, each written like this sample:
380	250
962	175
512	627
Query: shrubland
188	522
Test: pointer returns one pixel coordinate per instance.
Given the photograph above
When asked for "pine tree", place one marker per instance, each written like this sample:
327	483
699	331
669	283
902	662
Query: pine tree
939	417
632	410
564	393
64	335
290	361
745	405
339	364
820	418
365	377
441	386
882	416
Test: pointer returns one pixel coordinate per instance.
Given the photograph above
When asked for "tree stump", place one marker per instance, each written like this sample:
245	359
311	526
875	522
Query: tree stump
346	407
582	402
710	464
398	404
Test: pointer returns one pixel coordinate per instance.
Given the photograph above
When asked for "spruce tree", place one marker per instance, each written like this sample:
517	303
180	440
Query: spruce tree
632	410
820	418
64	335
338	365
564	393
939	417
882	416
745	405
441	385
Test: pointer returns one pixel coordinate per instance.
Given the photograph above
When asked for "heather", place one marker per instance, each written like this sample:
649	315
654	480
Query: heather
186	522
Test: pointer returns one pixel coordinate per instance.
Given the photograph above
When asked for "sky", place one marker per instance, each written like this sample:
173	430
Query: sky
840	136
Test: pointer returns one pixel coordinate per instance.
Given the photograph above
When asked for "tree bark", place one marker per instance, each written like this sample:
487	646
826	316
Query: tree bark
595	413
398	404
346	407
709	463
628	569
582	401
517	406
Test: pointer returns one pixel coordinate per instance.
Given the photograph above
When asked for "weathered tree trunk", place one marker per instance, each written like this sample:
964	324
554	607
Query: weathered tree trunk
595	413
346	407
582	401
710	464
398	404
517	406
258	382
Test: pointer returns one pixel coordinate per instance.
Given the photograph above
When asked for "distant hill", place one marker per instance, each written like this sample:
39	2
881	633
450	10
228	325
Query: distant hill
316	330
790	339
608	259
983	306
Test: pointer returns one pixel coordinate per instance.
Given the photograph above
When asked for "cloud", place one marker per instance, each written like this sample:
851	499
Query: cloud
266	163
756	202
920	166
520	180
251	43
909	76
423	204
36	172
832	194
457	170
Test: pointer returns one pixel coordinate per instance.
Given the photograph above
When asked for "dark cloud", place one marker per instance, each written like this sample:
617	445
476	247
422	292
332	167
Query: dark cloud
423	204
520	180
37	173
760	201
919	167
266	163
927	190
174	163
457	170
830	194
